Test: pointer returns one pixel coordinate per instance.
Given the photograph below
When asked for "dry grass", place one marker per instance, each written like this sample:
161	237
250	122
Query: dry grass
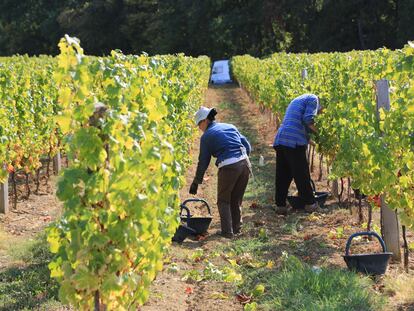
7	242
4	242
400	287
12	249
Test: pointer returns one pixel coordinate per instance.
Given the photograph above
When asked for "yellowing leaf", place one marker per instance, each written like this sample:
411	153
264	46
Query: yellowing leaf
365	150
64	122
270	264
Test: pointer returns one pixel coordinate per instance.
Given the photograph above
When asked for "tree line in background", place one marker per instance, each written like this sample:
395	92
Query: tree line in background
217	28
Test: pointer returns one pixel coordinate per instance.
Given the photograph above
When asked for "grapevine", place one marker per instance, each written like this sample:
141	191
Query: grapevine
120	192
376	152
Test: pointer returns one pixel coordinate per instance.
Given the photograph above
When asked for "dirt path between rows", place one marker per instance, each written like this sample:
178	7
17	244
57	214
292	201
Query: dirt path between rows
30	217
169	290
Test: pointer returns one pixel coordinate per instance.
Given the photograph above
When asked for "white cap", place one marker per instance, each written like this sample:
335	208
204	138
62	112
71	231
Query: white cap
202	114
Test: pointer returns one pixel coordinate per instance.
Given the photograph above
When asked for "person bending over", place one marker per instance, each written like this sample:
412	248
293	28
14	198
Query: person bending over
224	142
291	143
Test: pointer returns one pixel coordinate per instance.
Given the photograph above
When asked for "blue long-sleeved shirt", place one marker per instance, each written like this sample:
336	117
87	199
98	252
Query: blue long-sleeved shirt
299	114
222	141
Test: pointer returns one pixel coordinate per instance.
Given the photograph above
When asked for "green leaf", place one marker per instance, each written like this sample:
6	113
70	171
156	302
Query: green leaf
85	280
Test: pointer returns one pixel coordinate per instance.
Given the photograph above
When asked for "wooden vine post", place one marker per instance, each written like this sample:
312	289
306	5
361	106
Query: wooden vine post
99	113
335	188
4	196
389	218
304	74
406	249
57	163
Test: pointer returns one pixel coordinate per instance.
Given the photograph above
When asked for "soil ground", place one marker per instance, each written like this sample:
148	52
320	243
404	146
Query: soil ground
29	217
317	239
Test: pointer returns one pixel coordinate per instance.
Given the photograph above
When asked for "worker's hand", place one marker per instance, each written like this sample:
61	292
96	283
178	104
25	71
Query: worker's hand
193	188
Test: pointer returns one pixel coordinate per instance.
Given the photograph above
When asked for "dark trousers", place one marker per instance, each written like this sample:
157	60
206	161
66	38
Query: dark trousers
232	183
291	163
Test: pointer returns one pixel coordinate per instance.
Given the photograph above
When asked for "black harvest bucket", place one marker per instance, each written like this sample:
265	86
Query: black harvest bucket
298	203
372	264
199	224
190	225
183	231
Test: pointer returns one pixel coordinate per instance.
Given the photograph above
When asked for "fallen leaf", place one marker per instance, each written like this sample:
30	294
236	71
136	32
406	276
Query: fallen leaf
232	262
258	290
254	205
270	264
313	217
201	237
216	295
307	237
259	223
188	290
243	298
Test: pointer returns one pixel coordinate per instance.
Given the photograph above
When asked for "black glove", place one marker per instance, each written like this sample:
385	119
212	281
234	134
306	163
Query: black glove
193	188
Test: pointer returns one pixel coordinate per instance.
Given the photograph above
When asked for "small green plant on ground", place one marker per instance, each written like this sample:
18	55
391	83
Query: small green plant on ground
29	286
291	225
210	271
257	246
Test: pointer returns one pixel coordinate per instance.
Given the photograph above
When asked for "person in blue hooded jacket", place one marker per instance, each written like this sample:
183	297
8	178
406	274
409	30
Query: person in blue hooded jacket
224	142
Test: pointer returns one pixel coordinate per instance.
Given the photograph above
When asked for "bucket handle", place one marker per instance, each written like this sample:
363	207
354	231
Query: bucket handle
183	207
313	185
196	200
367	233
